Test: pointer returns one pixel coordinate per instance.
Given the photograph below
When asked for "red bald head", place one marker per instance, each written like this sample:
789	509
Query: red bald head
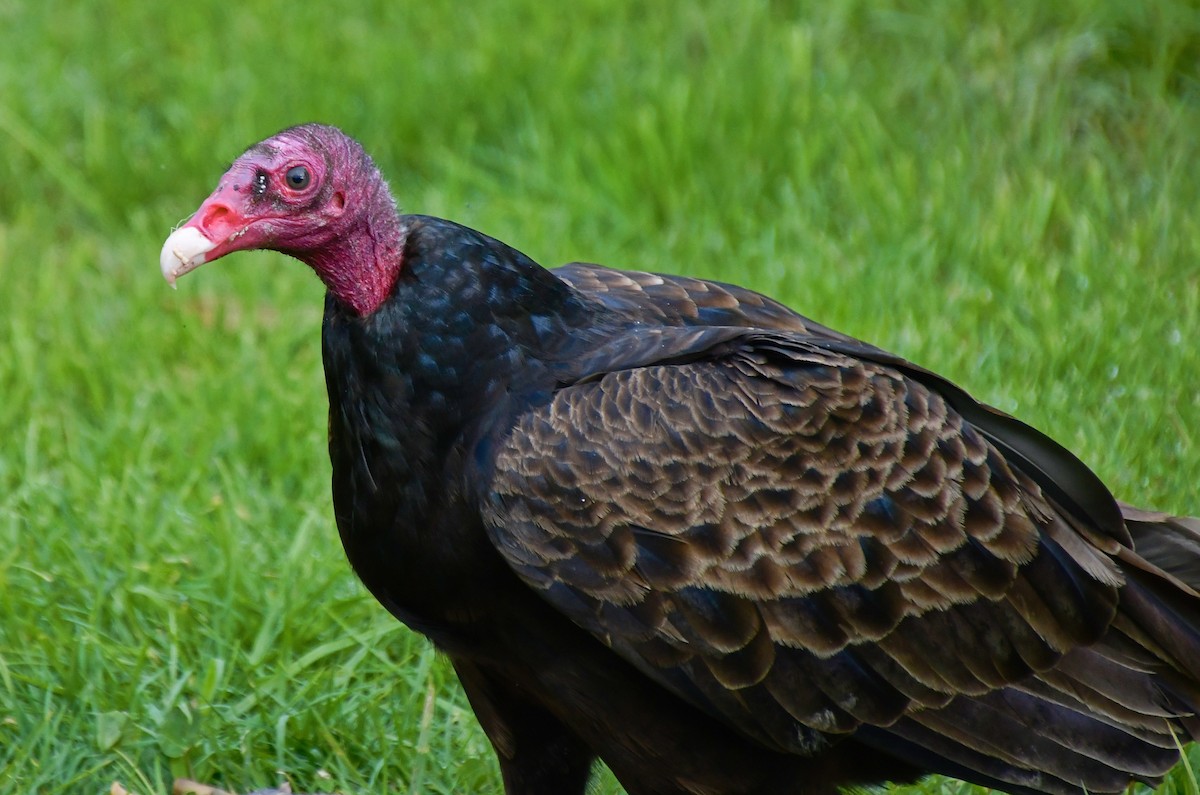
310	192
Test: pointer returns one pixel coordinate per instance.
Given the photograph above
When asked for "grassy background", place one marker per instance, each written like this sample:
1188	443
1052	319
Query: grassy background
1008	195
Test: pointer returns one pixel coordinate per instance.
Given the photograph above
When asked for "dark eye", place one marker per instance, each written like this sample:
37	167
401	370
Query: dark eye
297	177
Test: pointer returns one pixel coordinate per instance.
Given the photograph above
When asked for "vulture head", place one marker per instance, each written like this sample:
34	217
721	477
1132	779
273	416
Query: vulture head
310	192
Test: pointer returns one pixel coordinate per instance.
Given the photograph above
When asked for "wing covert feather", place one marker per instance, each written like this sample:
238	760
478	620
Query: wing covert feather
786	534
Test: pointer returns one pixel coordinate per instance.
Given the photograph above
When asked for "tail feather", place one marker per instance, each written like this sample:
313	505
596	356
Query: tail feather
1158	622
1171	543
1160	603
1105	712
1168	620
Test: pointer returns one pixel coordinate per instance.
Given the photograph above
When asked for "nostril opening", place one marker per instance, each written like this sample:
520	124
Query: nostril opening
215	215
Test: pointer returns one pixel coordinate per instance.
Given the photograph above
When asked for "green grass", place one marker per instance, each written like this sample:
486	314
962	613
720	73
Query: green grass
1008	195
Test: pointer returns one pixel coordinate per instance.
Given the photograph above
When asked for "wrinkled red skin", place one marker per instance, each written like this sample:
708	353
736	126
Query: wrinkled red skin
336	224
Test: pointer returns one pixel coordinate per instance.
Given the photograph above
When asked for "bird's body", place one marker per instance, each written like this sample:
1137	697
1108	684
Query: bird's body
550	694
674	525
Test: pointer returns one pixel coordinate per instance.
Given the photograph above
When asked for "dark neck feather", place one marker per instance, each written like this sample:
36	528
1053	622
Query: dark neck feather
469	334
467	325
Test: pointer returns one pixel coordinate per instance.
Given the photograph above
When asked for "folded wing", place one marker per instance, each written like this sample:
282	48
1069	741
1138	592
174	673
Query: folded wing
810	543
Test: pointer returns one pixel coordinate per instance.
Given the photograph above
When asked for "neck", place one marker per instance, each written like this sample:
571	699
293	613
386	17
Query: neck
361	267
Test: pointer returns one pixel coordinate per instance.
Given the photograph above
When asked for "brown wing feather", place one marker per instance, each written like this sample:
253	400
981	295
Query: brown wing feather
809	543
661	299
733	510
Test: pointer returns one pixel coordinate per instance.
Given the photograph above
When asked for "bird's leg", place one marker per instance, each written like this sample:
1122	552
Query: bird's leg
538	755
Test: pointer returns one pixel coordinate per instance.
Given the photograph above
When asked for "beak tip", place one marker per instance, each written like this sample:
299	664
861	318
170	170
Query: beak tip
183	251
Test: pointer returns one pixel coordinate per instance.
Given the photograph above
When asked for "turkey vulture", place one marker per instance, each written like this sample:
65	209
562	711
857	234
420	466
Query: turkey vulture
673	525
